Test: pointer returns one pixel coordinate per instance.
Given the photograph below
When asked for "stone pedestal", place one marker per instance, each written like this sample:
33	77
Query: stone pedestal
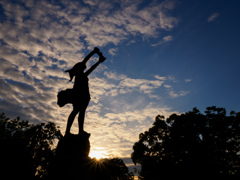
72	144
72	161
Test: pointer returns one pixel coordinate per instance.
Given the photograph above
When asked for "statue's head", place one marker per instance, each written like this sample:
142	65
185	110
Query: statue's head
77	69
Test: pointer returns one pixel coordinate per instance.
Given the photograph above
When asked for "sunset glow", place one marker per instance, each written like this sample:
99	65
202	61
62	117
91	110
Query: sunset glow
98	153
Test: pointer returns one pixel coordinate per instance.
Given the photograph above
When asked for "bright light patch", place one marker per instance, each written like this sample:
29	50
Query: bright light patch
98	153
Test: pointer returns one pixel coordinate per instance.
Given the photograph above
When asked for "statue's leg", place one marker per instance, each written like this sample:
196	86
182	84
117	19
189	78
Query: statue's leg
81	115
70	120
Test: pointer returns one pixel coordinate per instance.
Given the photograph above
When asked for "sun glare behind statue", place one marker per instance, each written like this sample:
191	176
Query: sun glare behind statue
98	153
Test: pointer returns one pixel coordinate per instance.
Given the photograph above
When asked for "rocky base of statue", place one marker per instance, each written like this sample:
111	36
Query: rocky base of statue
74	144
72	161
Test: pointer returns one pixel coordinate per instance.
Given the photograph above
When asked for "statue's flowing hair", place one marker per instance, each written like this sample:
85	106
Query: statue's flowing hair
75	69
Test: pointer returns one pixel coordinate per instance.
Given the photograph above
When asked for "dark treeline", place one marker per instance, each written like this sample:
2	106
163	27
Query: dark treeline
26	149
191	145
27	152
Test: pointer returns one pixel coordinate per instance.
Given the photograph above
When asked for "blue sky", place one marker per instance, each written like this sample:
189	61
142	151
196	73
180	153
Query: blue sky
163	57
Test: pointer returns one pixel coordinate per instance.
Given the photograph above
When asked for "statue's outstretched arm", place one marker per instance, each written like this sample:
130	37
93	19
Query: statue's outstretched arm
96	50
101	59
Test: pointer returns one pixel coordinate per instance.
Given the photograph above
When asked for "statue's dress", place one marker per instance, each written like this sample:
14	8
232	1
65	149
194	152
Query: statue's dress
79	96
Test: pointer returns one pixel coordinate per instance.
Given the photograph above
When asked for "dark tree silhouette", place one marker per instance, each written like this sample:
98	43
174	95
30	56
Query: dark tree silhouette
26	149
190	145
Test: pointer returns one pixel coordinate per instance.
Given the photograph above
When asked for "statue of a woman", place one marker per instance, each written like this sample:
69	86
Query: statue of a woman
79	96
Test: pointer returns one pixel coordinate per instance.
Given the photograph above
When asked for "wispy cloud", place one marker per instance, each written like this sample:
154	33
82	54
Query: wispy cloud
112	51
164	40
122	129
188	80
213	17
172	94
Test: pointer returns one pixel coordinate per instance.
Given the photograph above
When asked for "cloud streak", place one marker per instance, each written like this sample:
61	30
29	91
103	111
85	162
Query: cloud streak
213	17
165	39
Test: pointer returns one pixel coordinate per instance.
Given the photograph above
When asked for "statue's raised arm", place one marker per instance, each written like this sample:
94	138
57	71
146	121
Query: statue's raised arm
72	72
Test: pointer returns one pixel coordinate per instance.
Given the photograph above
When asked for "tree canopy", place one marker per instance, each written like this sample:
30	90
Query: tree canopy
191	144
26	149
28	152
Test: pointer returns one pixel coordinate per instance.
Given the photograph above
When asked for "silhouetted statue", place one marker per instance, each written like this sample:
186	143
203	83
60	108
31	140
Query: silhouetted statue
79	96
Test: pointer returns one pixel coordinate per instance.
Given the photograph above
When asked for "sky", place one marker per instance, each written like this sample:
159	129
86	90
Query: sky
163	57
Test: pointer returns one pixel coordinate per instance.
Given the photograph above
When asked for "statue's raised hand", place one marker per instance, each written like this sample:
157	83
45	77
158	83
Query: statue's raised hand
101	57
96	50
